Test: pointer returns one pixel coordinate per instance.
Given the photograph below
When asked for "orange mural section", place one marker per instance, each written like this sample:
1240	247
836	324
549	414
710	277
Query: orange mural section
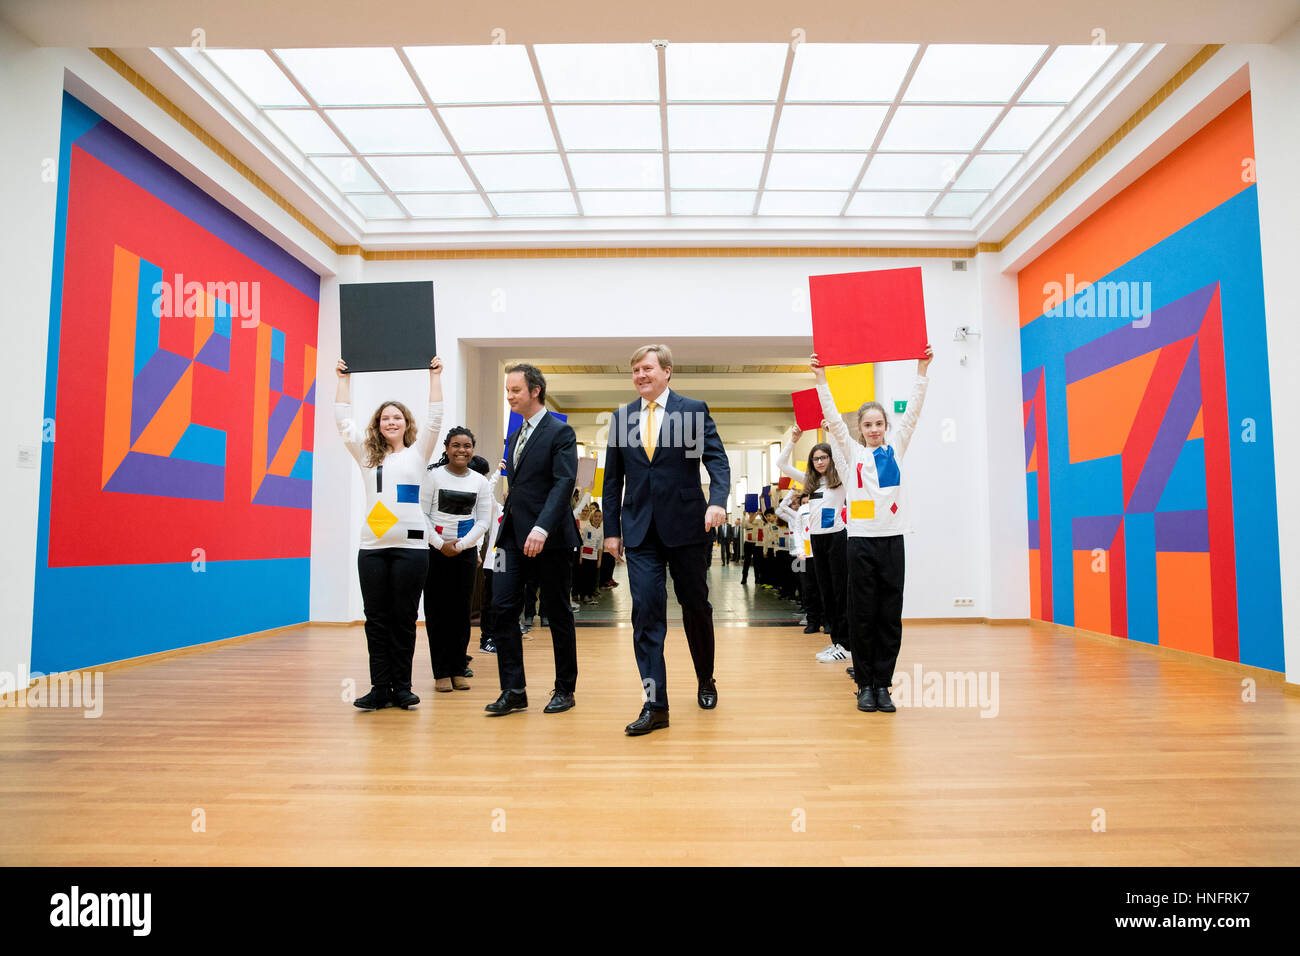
1183	601
1102	407
1092	591
1206	170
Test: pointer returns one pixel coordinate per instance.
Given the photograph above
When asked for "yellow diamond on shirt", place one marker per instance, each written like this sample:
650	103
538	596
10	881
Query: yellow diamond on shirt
380	519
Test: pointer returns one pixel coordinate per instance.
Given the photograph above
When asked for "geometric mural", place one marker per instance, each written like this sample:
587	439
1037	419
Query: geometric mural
1149	462
175	499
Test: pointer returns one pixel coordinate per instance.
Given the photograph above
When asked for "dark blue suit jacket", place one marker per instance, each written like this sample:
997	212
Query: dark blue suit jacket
540	486
666	490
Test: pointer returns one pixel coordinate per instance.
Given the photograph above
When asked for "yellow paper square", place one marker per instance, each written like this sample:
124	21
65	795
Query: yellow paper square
851	385
598	483
862	509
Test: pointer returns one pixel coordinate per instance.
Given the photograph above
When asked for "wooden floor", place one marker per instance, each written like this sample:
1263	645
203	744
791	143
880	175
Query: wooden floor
256	735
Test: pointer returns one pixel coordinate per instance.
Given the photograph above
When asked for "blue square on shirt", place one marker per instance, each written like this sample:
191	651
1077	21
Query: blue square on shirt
464	527
886	467
408	493
828	517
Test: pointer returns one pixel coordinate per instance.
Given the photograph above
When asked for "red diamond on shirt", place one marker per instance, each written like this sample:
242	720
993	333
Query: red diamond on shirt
894	508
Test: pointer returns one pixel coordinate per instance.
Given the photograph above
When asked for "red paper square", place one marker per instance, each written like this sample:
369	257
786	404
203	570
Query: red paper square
876	316
783	483
807	409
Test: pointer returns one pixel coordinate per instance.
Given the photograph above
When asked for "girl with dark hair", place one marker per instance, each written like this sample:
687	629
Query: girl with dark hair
393	560
821	482
878	517
457	505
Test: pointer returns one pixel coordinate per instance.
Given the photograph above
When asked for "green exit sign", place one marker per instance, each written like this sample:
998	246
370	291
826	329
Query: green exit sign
900	407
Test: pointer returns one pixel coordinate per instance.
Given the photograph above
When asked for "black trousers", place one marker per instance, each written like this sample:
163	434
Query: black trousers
552	570
584	582
486	616
875	607
606	567
812	598
447	590
726	551
831	562
751	552
688	565
391	579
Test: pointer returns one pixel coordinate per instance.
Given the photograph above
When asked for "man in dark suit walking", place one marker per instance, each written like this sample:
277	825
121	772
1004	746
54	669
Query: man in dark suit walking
658	519
536	539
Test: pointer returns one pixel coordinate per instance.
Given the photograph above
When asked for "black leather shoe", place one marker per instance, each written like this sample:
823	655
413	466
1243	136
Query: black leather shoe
884	703
812	628
867	699
403	698
649	720
849	671
559	702
708	694
507	703
378	697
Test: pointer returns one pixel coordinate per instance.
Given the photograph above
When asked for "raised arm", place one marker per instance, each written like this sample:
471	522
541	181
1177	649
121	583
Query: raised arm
427	440
343	413
903	436
835	427
783	462
783	510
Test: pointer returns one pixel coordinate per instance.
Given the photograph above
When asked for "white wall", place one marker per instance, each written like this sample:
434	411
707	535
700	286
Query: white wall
1275	82
563	301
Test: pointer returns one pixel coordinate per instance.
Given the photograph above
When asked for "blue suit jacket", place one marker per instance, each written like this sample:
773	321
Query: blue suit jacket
540	485
666	490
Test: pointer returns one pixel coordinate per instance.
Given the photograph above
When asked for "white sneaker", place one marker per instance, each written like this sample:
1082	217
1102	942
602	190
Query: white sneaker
836	653
826	650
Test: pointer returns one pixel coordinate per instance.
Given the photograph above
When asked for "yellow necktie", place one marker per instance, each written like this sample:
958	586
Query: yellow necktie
648	432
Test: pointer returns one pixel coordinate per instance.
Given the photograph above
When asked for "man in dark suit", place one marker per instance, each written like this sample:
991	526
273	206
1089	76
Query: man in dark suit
655	504
536	539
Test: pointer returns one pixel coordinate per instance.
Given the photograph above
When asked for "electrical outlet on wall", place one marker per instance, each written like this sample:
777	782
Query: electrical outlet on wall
963	602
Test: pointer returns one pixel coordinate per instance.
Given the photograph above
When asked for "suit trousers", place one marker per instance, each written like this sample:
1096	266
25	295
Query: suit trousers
447	590
391	579
552	570
830	559
875	607
687	564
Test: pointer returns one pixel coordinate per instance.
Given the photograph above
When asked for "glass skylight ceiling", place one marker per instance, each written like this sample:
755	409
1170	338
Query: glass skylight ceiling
761	131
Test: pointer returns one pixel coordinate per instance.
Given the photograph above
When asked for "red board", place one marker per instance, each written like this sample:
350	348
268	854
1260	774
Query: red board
807	409
783	483
863	317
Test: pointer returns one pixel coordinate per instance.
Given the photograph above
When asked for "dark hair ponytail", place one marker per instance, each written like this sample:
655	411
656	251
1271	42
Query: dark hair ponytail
458	430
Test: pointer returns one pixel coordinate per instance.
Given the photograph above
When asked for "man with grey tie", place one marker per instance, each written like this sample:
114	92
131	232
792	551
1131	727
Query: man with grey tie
536	539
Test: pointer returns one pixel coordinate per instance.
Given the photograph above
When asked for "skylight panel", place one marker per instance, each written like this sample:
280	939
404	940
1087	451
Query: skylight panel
599	71
421	173
959	204
347	174
848	71
534	204
623	203
453	206
724	71
890	204
377	207
814	170
617	170
971	72
713	203
801	203
362	76
719	127
1022	126
307	131
511	173
986	171
911	170
829	127
257	75
608	127
487	73
938	127
391	131
498	128
1065	74
715	170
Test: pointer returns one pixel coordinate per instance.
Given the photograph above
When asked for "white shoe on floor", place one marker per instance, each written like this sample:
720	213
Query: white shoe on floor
836	653
826	650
